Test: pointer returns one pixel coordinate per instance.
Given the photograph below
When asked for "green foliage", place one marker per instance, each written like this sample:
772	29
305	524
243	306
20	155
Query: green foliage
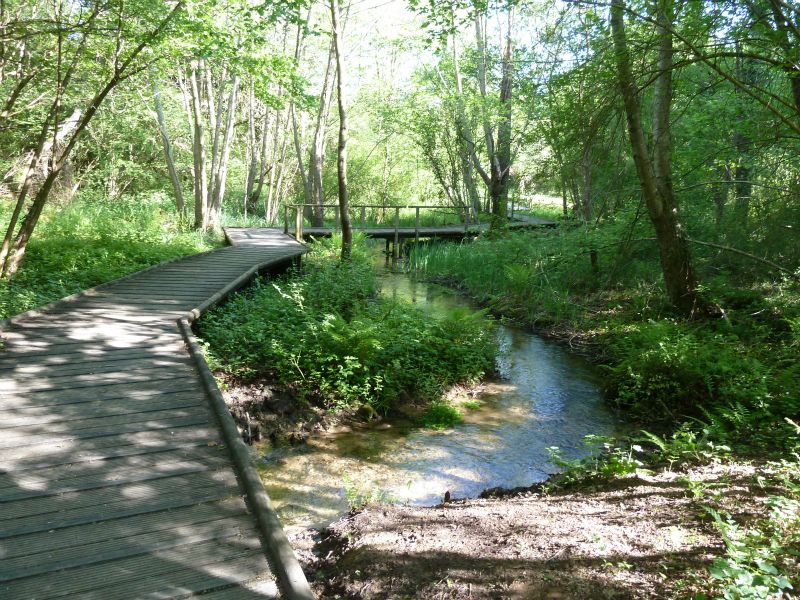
90	242
322	332
606	460
760	557
666	369
441	415
686	446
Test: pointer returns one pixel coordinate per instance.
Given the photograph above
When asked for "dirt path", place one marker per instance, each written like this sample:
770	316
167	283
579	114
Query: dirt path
641	537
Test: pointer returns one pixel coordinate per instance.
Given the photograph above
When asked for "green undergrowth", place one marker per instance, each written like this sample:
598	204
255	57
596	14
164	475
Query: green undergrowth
738	376
90	242
324	333
724	390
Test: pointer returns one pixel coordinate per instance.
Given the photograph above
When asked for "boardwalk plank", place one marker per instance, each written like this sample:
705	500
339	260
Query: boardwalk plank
110	531
114	482
88	429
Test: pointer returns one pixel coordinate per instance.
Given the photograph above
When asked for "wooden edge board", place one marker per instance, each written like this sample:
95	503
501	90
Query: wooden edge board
291	579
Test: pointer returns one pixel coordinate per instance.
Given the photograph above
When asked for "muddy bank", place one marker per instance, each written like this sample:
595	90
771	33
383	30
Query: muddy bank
646	536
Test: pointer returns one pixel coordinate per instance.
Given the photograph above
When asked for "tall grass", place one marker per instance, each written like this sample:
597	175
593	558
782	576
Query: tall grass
89	242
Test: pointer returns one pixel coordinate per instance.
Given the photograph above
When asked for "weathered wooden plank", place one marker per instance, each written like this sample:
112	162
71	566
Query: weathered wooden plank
80	536
43	415
20	343
135	544
48	514
129	444
133	389
32	386
16	487
22	437
250	590
9	358
142	362
108	578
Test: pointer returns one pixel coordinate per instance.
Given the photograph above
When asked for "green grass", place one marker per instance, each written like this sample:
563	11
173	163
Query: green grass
90	242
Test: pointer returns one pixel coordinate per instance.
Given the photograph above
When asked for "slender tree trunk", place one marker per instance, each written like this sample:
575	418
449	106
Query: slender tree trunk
263	169
742	143
250	152
656	176
587	203
318	147
222	165
503	159
344	203
198	153
298	148
720	193
465	147
168	155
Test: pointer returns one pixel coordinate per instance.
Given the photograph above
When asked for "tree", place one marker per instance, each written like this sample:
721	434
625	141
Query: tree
69	32
344	202
655	174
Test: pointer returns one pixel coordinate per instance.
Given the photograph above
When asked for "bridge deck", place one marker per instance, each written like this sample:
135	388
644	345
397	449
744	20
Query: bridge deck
403	233
115	481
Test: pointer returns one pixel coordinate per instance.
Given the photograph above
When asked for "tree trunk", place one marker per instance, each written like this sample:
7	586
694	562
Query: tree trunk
318	147
168	156
224	158
298	148
720	193
198	154
465	145
503	159
250	151
344	203
656	176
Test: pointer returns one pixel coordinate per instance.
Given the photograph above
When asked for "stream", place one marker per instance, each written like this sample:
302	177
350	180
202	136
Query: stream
542	396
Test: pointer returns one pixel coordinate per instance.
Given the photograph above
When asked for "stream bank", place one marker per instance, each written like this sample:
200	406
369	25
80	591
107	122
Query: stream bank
643	536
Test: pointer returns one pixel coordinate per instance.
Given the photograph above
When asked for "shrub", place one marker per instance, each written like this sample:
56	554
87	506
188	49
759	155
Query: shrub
323	332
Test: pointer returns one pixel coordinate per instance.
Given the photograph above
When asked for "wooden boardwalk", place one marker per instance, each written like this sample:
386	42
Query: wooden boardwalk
422	232
115	478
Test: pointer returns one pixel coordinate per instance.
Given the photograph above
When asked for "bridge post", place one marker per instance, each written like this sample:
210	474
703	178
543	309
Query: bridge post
416	227
286	219
396	232
336	218
466	218
364	218
298	223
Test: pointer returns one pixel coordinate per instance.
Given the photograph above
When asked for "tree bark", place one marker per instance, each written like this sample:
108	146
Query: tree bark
168	155
344	202
656	176
221	178
318	148
198	153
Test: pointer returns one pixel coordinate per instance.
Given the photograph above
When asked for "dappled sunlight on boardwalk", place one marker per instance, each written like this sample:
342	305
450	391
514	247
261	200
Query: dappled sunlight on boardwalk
115	481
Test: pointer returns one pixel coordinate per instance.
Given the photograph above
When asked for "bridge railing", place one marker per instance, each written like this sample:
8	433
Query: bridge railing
390	217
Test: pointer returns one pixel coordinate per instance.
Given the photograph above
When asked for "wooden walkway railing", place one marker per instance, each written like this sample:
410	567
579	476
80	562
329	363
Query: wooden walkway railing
314	220
121	476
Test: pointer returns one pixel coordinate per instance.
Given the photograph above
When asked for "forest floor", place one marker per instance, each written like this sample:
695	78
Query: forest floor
644	536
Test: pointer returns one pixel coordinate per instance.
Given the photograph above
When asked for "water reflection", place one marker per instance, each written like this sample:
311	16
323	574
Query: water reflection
543	397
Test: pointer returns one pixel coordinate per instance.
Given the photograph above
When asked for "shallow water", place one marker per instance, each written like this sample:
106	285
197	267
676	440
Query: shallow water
543	396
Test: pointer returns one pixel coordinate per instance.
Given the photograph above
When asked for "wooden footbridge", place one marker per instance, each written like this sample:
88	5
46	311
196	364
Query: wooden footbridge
122	474
385	222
